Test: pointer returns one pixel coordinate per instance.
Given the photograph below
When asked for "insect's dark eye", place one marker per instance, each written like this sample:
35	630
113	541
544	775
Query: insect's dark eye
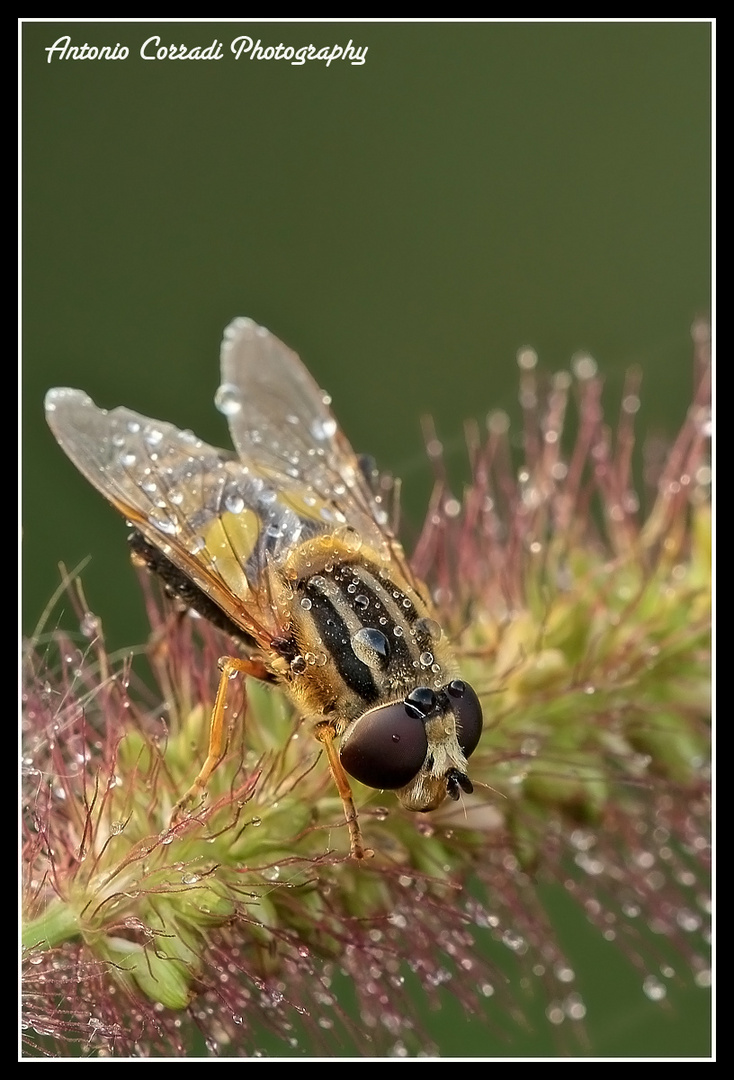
468	712
386	748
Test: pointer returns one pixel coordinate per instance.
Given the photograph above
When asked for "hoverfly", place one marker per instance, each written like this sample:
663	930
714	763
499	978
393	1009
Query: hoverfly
286	544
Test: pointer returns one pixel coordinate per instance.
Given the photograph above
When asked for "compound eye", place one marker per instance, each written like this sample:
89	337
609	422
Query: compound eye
468	712
387	748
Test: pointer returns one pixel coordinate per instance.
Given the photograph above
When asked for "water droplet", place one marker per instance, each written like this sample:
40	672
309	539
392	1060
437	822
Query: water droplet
90	626
234	503
590	865
371	646
555	1013
688	920
583	366
429	627
574	1007
228	399
164	524
654	988
527	359
514	941
323	429
349	537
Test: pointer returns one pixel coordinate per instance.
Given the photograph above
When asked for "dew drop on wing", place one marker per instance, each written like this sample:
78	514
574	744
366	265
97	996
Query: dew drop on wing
228	399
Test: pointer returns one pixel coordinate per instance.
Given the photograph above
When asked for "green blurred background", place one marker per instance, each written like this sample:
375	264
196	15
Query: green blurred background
406	225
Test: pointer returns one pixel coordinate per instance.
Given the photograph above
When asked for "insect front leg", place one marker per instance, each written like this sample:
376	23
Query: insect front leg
229	667
325	734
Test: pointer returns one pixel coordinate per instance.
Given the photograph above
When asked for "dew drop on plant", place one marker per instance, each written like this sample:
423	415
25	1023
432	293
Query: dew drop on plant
399	1050
574	1007
654	988
515	942
89	625
555	1013
688	920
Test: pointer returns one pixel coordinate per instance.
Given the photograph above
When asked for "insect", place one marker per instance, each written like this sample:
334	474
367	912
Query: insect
287	545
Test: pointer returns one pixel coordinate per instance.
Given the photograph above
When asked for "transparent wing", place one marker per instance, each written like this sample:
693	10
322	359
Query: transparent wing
197	504
280	421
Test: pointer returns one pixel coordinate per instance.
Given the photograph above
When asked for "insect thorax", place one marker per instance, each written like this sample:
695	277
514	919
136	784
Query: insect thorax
361	638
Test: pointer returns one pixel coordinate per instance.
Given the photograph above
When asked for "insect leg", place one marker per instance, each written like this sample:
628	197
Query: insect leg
325	734
229	667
